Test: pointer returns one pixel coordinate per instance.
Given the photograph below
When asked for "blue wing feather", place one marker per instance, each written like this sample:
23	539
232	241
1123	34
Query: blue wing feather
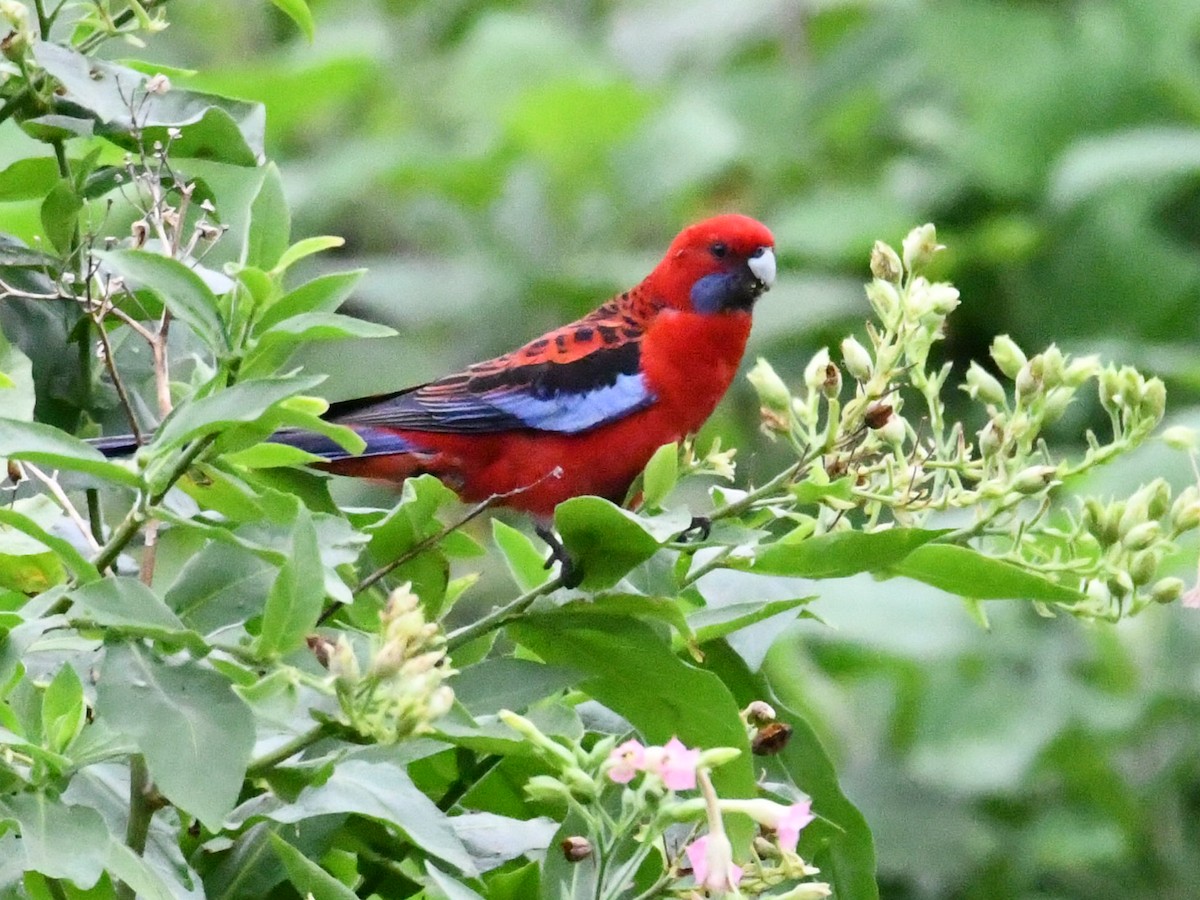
561	397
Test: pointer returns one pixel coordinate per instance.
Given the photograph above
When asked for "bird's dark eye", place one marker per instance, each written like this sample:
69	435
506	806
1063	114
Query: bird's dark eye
718	250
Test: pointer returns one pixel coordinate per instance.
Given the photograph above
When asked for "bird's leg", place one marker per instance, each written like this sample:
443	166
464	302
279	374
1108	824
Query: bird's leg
571	572
700	528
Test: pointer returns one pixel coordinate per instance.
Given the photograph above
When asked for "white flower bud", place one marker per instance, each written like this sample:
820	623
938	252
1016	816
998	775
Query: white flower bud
858	361
1180	437
982	385
1008	355
817	370
885	264
919	246
943	298
773	394
884	299
1033	479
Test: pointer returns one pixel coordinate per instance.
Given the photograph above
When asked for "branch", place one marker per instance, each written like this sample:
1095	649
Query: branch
498	618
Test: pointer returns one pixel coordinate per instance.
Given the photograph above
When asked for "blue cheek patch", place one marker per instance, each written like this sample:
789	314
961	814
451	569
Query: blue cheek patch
712	292
573	413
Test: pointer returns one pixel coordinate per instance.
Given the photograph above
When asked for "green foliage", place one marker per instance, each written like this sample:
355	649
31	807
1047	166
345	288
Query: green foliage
223	674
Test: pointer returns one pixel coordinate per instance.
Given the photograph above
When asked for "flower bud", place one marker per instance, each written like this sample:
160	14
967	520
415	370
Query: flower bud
546	789
715	757
877	415
885	264
772	393
1167	590
1153	402
817	371
576	848
943	298
1053	366
759	712
893	430
1111	388
991	439
1142	536
919	246
158	84
343	663
1180	437
1120	585
1056	403
808	890
1080	370
982	385
1008	355
832	385
1185	511
884	299
1034	479
1143	567
858	360
1029	378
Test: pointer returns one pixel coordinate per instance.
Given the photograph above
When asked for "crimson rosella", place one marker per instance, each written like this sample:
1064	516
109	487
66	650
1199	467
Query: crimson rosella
581	409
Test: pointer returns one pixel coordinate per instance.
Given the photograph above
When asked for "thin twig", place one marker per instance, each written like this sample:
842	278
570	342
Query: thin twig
502	616
64	501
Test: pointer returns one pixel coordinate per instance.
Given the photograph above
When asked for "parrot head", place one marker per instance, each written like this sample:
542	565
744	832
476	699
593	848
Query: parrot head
718	266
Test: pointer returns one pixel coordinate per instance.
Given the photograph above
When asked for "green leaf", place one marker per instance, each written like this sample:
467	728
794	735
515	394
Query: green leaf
47	445
295	601
446	887
180	289
306	876
194	730
323	294
219	587
841	553
16	382
633	671
381	791
298	12
305	248
495	684
139	873
29	179
59	841
245	401
270	456
60	215
605	541
716	622
63	709
103	94
411	520
660	475
525	561
323	326
124	602
270	222
969	573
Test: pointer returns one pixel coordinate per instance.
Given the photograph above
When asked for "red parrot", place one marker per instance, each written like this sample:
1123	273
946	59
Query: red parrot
581	409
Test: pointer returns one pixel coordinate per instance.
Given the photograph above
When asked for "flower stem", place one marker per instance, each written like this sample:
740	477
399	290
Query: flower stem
502	616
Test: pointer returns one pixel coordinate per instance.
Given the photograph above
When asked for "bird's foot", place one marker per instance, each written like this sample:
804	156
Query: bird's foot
699	529
571	573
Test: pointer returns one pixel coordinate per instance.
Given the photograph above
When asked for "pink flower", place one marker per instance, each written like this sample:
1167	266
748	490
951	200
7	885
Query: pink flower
712	863
786	821
791	823
674	763
1191	600
626	761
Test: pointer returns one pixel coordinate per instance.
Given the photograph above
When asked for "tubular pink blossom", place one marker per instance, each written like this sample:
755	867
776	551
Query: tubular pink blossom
626	761
674	763
712	863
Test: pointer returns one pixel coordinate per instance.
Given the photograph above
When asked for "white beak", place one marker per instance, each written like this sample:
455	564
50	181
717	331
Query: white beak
762	264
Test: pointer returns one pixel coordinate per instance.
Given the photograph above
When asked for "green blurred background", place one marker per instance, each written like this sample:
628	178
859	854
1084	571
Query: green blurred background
500	167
